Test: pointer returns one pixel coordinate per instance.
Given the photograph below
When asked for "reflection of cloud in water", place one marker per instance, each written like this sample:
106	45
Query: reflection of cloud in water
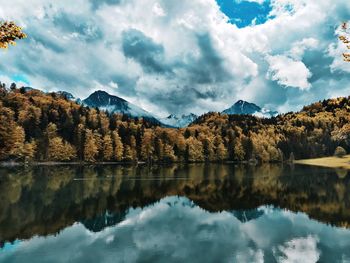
176	230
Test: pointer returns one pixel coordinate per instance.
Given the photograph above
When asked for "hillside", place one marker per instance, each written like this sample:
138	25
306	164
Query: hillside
49	127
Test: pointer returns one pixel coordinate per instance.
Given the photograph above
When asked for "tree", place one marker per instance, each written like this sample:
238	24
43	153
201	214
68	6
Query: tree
147	147
17	149
168	153
107	147
339	152
239	152
221	152
194	150
90	146
118	147
9	33
60	150
345	39
159	149
208	149
30	149
12	136
128	153
133	147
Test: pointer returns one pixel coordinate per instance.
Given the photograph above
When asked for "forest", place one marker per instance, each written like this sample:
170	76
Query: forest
47	127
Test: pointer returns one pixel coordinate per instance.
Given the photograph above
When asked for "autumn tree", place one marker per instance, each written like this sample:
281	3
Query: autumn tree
194	150
168	153
90	146
147	148
30	150
107	147
58	149
158	149
238	153
344	37
221	151
128	154
339	152
118	148
9	33
133	148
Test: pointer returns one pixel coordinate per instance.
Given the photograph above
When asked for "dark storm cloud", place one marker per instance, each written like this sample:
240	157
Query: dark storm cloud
39	37
145	51
318	64
86	28
198	76
209	67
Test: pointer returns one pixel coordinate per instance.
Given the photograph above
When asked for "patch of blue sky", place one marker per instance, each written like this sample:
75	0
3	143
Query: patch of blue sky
245	13
19	78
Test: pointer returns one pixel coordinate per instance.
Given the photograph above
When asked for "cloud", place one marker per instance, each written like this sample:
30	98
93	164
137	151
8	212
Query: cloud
144	50
297	249
289	72
181	57
175	229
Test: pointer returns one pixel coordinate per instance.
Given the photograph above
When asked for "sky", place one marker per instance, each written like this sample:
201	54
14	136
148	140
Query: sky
171	56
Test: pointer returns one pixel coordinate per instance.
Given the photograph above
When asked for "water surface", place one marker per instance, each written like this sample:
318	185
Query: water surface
177	213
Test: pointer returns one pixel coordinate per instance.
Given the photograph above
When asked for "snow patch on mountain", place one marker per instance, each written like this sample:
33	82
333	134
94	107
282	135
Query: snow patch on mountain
179	121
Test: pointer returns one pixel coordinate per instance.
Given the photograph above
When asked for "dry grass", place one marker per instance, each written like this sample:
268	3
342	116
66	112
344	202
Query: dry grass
332	162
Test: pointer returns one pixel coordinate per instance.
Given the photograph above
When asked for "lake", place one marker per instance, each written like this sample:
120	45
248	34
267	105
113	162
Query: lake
174	213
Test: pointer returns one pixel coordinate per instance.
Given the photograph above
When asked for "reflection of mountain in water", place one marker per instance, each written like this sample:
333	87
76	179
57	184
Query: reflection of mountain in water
100	222
45	200
247	215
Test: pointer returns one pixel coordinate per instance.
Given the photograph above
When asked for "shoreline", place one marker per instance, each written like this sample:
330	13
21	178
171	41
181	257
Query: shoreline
50	163
329	162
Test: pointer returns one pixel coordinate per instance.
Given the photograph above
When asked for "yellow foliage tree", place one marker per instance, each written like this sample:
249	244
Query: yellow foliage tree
147	147
90	146
118	147
107	147
9	33
60	150
345	39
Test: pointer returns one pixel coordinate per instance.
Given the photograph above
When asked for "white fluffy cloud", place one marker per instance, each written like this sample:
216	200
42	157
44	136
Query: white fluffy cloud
289	72
179	56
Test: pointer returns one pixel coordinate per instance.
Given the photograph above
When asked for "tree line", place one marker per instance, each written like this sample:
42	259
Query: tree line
38	126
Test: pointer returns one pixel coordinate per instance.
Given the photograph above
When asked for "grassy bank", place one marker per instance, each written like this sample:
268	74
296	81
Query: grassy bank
332	162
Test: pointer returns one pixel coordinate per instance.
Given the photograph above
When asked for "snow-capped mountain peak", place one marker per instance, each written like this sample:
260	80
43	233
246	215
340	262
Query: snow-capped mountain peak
244	107
114	104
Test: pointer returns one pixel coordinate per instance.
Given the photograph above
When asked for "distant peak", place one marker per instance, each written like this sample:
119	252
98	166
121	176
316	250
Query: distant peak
100	92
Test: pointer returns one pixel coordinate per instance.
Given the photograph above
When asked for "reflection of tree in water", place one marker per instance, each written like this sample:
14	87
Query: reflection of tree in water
44	200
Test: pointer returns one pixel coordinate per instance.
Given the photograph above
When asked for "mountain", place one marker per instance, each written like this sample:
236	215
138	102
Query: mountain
114	104
244	107
66	95
248	215
179	121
